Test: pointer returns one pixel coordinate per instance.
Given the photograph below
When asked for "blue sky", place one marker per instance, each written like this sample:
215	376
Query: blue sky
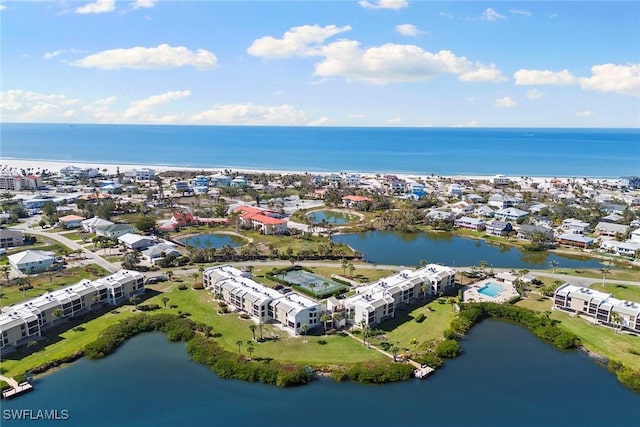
322	63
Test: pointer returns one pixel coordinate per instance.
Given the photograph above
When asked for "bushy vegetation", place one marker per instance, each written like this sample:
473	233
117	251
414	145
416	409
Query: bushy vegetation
379	373
448	348
430	359
202	348
626	376
420	318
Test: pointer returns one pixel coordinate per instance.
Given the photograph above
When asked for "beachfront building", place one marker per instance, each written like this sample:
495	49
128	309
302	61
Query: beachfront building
20	182
499	180
602	307
239	181
71	221
27	320
31	261
264	304
78	172
114	231
10	238
219	180
377	302
454	190
499	228
501	201
143	174
575	239
89	225
469	223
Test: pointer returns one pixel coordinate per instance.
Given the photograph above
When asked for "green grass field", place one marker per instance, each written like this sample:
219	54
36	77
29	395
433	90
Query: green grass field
623	292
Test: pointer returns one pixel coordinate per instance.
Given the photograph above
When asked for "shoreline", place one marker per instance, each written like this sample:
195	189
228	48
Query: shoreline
8	163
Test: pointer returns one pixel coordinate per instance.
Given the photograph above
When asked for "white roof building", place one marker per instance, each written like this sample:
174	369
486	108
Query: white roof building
31	261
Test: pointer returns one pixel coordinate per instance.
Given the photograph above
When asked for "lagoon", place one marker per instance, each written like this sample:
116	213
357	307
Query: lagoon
392	247
151	382
213	241
332	217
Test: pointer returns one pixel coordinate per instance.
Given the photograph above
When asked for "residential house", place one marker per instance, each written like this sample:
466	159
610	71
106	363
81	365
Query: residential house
614	208
71	221
94	197
600	306
352	179
611	230
239	181
575	226
89	225
628	248
635	235
31	261
499	228
501	201
10	238
135	241
536	208
438	215
394	184
356	202
461	208
454	190
77	172
510	214
469	223
181	187
484	211
219	180
154	253
527	231
575	239
114	231
615	218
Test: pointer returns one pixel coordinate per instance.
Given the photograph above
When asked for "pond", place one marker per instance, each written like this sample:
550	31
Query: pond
391	247
213	241
332	217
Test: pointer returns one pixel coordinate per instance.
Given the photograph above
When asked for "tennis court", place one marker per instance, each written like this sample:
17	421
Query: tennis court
317	285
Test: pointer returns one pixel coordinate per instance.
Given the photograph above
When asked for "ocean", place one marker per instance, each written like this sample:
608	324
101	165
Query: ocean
442	151
505	377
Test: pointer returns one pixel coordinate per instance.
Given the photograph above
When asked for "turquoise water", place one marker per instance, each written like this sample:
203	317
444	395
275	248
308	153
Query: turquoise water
335	218
213	241
444	151
151	382
390	247
491	289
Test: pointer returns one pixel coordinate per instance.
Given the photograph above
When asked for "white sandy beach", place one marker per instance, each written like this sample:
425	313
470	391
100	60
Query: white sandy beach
15	165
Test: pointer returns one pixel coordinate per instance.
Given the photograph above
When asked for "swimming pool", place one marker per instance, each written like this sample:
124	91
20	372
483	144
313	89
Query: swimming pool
491	289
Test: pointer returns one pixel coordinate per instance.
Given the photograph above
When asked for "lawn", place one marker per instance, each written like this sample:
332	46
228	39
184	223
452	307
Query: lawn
623	292
403	328
616	274
366	275
536	302
201	307
603	341
47	282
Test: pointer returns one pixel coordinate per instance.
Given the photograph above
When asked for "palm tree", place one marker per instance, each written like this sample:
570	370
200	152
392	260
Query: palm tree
394	350
423	263
250	348
344	264
6	271
96	299
253	331
134	299
22	285
426	286
239	344
414	343
351	268
304	328
605	271
260	325
325	318
616	319
57	313
170	275
554	264
164	300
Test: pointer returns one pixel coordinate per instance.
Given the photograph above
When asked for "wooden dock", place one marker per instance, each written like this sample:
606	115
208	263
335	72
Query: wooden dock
421	371
15	388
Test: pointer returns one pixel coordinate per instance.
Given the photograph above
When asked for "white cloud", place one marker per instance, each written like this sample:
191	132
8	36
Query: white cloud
384	4
623	79
469	124
162	56
585	113
491	15
20	105
143	110
302	41
395	63
543	77
534	94
522	12
357	116
2	7
99	6
394	121
408	30
483	74
52	54
143	4
505	102
251	114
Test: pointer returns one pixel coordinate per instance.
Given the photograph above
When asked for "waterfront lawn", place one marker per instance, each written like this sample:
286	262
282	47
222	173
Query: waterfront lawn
615	274
536	302
602	340
623	292
403	328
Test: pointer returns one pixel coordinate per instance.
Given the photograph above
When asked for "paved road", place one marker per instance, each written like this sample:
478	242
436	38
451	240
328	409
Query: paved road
112	268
